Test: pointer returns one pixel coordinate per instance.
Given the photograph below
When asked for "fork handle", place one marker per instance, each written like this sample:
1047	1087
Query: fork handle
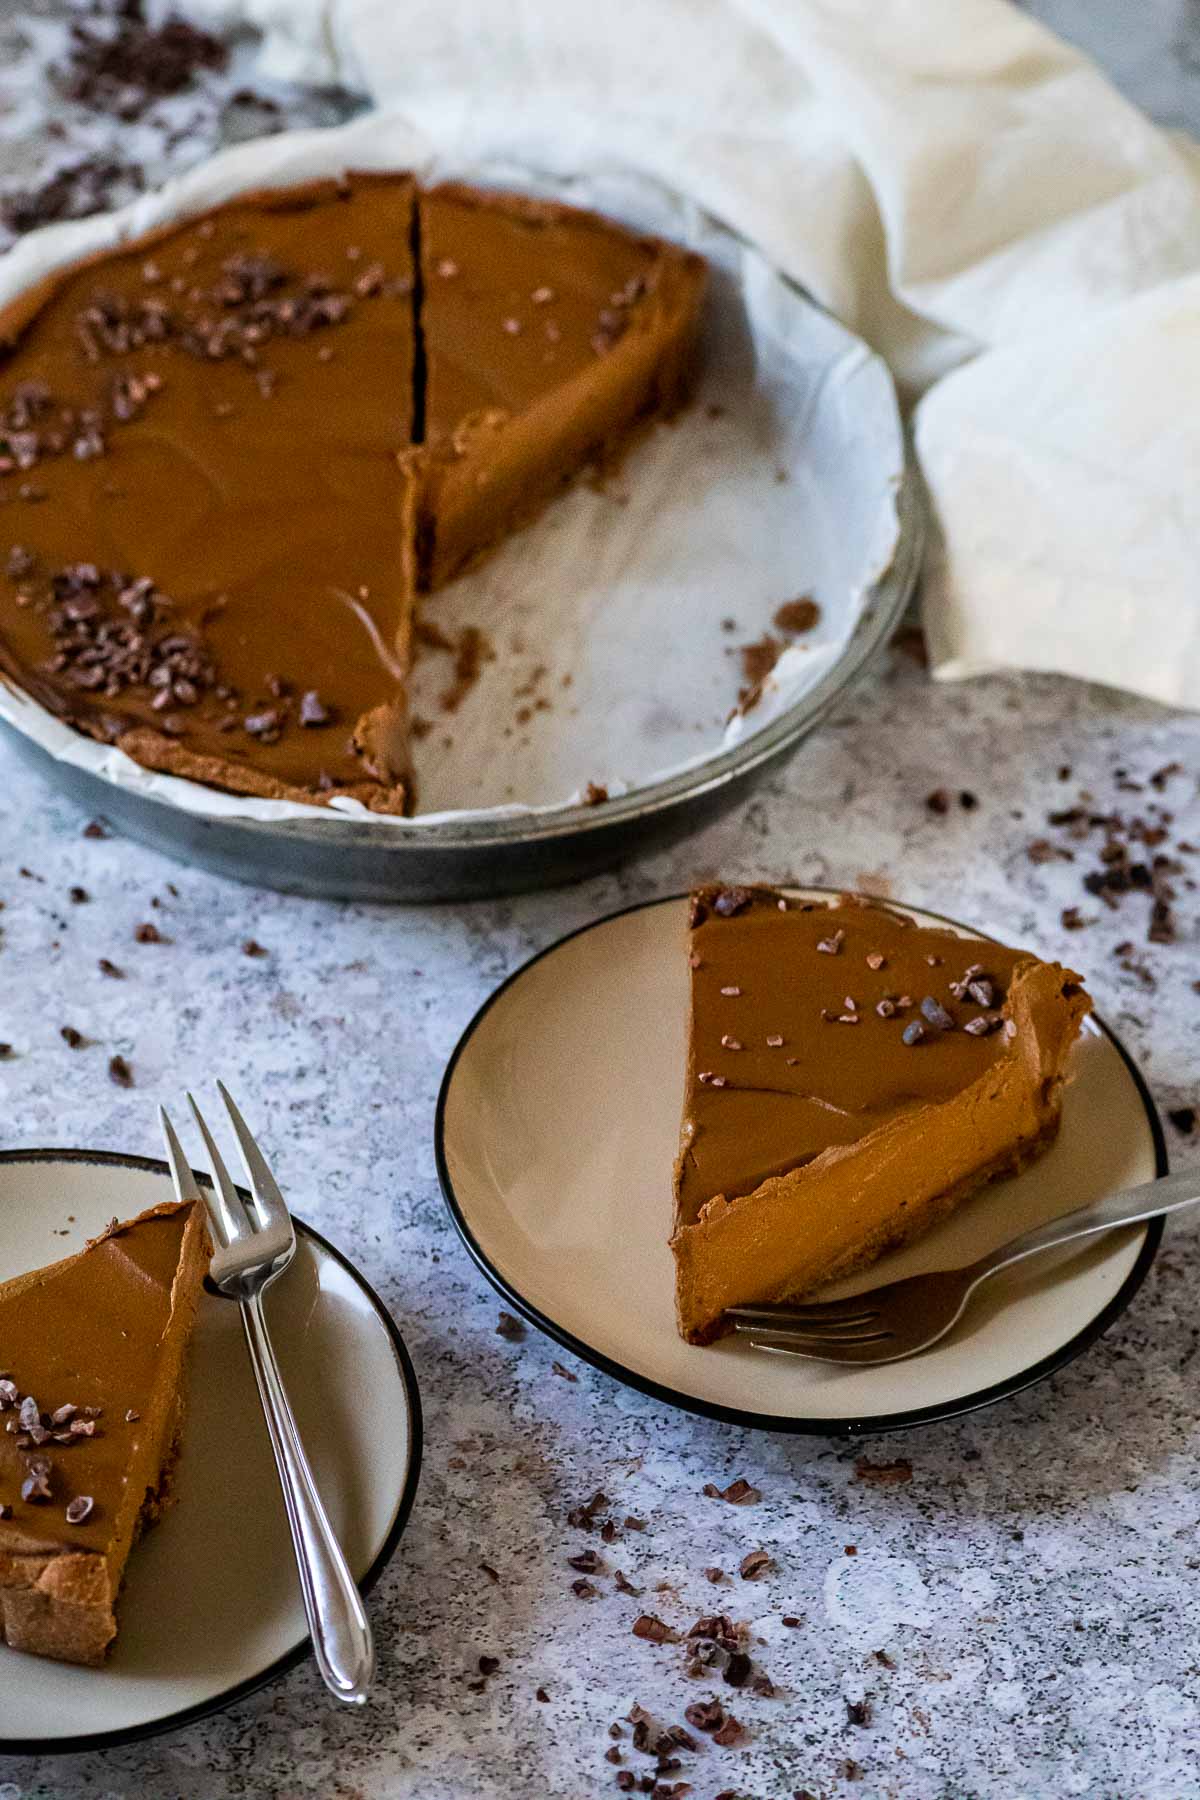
1128	1207
337	1619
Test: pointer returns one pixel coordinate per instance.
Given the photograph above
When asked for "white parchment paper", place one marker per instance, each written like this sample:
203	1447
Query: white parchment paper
615	620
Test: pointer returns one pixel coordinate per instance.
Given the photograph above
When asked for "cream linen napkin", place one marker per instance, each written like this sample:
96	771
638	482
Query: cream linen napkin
961	188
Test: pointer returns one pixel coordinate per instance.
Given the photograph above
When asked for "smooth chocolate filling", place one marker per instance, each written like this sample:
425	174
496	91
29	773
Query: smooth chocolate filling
799	1026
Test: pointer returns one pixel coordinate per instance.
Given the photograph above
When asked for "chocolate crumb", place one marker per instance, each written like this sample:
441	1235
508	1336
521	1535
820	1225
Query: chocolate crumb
488	1665
70	1036
795	617
791	1620
252	947
732	901
754	1565
587	1562
147	933
110	969
542	1695
120	1072
623	1584
738	1493
584	1517
1183	1118
737	1669
656	1630
583	1589
705	1715
78	896
509	1327
729	1731
35	1489
714	1575
883	1659
566	1374
890	1474
594	794
313	711
858	1712
938	802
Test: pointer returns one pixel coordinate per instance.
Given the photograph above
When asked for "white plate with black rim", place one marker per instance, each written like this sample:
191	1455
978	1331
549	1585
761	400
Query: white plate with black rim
211	1605
557	1129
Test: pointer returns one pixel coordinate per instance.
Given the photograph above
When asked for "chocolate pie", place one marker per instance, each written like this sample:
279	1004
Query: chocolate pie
91	1411
851	1078
234	451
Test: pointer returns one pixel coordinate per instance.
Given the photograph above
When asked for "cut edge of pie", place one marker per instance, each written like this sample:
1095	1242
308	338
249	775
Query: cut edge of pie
823	1221
57	1599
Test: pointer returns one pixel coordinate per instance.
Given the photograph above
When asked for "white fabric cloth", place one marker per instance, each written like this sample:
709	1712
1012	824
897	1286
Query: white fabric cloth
961	188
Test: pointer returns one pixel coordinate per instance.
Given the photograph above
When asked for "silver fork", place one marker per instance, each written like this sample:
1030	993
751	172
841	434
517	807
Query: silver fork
903	1317
254	1244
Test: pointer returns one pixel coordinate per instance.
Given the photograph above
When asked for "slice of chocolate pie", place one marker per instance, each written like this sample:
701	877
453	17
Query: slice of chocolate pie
548	334
851	1078
91	1411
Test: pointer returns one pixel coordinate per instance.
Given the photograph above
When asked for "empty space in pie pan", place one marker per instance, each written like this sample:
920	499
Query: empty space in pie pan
612	628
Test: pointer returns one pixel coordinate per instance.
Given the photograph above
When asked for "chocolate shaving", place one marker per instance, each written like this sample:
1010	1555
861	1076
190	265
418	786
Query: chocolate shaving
754	1565
649	1625
729	902
313	711
705	1715
738	1493
890	1474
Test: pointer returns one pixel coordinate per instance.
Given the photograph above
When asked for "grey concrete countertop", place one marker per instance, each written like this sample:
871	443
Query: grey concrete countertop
1022	1616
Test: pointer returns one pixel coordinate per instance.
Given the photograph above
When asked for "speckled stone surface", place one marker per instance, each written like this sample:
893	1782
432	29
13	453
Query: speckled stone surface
1021	1619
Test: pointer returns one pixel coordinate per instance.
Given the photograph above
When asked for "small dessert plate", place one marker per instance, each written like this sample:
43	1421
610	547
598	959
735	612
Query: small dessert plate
557	1129
211	1605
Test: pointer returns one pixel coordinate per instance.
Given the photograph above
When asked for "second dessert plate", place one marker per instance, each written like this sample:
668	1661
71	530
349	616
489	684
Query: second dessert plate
557	1129
211	1606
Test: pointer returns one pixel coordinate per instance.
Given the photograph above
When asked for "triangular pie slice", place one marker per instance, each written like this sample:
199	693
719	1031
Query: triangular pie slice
91	1410
851	1078
548	334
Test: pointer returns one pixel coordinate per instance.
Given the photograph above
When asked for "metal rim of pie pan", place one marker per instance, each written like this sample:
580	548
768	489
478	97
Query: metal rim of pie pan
852	1426
349	859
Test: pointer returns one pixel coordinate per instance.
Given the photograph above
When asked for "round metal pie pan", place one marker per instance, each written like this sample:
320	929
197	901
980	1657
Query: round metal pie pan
341	858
